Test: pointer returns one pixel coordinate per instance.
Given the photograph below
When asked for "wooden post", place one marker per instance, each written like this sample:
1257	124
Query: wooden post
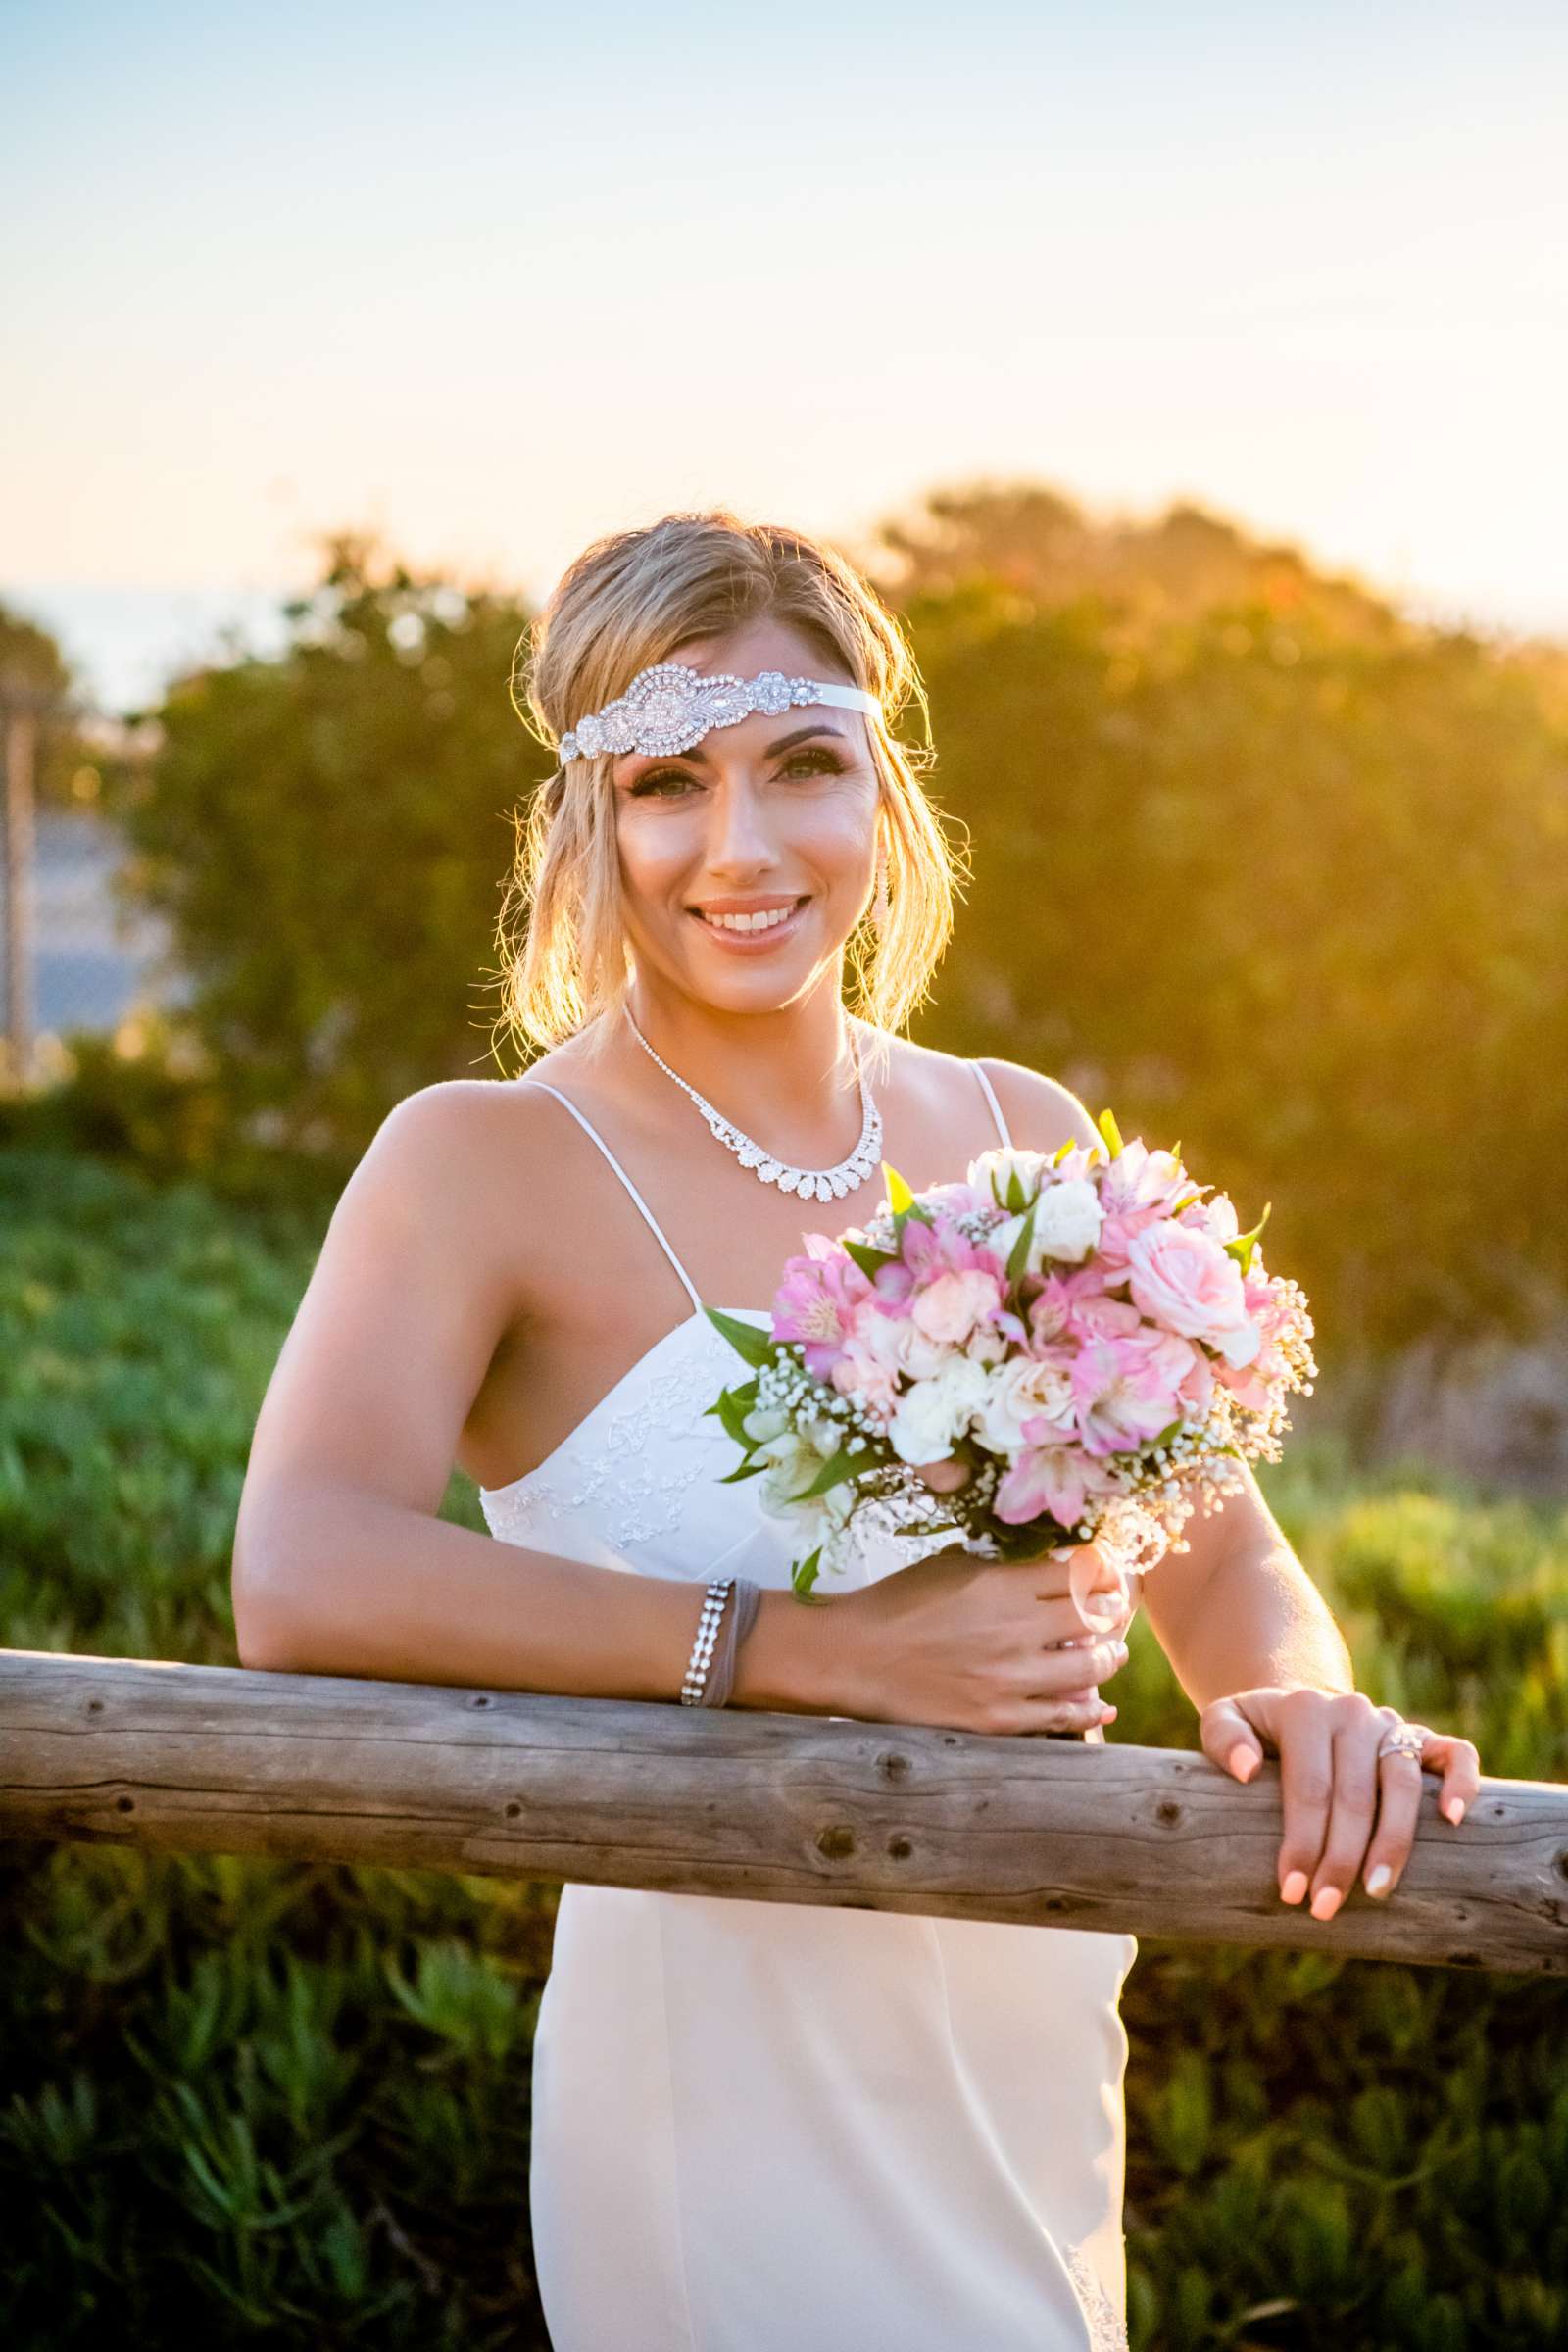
21	731
769	1808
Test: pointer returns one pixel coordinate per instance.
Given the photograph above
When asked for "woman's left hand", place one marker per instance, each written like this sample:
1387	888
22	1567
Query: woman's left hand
1336	1786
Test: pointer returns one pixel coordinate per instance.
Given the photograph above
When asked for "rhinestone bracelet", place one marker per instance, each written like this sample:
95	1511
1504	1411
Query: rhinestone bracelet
702	1657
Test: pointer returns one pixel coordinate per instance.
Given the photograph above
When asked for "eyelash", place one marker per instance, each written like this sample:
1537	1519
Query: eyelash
828	763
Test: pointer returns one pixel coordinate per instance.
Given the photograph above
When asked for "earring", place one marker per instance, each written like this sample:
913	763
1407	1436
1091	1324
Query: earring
879	904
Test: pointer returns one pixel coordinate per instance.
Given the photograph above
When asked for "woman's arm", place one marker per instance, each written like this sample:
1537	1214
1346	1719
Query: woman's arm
1239	1610
341	1564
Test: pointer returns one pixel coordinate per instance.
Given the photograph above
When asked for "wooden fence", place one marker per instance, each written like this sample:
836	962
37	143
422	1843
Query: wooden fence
771	1808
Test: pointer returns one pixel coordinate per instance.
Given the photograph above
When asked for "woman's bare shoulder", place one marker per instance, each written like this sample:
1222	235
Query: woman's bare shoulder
457	1117
465	1154
1042	1113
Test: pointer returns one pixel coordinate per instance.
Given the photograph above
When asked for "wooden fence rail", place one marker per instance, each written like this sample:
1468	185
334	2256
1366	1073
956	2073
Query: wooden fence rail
772	1808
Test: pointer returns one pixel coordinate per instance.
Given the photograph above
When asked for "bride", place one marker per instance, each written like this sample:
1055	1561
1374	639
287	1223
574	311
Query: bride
756	2126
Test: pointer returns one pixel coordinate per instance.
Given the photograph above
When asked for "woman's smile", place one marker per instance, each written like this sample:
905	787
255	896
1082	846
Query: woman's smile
752	934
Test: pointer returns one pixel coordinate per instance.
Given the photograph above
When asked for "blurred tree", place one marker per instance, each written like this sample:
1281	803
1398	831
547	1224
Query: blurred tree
32	663
1032	540
1296	902
1268	868
328	831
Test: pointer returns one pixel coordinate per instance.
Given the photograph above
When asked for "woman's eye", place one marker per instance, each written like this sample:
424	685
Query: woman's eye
821	762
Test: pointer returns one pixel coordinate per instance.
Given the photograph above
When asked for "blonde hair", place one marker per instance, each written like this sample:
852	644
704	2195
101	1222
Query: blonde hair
629	599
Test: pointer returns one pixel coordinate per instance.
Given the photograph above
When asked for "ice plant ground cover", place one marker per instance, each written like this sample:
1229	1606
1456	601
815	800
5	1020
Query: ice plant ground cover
1052	1351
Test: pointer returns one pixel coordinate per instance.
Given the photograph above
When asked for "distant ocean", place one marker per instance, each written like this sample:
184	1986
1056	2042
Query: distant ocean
126	644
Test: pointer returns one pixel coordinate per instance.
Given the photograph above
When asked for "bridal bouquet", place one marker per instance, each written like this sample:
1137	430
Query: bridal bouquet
1084	1343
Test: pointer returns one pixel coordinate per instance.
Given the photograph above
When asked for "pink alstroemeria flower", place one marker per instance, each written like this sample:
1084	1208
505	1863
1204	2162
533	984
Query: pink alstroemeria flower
1126	1389
1052	1314
1139	1179
940	1248
1058	1479
815	1301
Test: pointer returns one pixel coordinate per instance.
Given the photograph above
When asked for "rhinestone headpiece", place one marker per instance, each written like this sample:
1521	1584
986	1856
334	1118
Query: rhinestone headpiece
670	708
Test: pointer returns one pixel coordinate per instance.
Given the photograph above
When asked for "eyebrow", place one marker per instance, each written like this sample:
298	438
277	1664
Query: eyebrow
697	753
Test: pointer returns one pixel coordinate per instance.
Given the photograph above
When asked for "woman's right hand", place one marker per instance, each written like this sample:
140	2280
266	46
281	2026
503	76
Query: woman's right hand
987	1646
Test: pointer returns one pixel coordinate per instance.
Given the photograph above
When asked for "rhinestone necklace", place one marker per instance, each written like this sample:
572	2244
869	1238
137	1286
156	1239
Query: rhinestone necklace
819	1183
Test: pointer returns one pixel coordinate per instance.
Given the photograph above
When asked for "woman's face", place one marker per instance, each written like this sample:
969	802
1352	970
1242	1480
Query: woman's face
774	813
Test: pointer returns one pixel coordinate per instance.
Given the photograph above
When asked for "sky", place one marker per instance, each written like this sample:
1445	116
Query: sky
495	280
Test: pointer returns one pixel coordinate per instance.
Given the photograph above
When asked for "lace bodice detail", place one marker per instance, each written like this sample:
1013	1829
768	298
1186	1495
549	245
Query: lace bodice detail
639	1483
1107	2328
629	1467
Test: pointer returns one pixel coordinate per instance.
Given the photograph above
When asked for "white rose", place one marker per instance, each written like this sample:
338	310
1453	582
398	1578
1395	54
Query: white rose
898	1342
1067	1220
1017	1391
935	1412
993	1171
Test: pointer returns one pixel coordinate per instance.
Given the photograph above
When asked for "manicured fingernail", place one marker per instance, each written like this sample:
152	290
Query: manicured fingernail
1243	1760
1326	1903
1454	1809
1379	1879
1293	1887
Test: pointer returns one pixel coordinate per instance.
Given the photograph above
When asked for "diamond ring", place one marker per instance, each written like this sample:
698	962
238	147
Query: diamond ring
1405	1739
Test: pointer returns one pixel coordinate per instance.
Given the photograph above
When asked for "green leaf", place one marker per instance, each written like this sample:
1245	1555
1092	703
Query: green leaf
732	1413
843	1465
756	1346
1111	1132
870	1260
802	1576
1017	1199
746	1470
1245	1242
1019	1254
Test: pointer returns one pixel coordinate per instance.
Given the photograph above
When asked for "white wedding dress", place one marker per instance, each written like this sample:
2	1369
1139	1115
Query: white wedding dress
767	2126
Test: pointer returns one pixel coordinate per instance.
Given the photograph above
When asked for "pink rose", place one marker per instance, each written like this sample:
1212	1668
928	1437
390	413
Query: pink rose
1182	1278
949	1308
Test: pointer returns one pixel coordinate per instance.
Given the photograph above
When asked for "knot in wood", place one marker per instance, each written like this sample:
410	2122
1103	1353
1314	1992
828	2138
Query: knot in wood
836	1842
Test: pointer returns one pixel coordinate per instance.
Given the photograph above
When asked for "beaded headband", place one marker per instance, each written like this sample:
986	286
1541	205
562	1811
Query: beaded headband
668	707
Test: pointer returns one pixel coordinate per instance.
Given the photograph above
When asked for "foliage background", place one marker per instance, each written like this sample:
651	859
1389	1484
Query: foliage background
1261	864
245	2098
1270	870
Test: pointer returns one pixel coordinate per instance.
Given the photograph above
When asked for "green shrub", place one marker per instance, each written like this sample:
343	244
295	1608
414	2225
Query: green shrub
243	2096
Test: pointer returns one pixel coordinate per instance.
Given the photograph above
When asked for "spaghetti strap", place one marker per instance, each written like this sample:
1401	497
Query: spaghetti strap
651	1221
996	1106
